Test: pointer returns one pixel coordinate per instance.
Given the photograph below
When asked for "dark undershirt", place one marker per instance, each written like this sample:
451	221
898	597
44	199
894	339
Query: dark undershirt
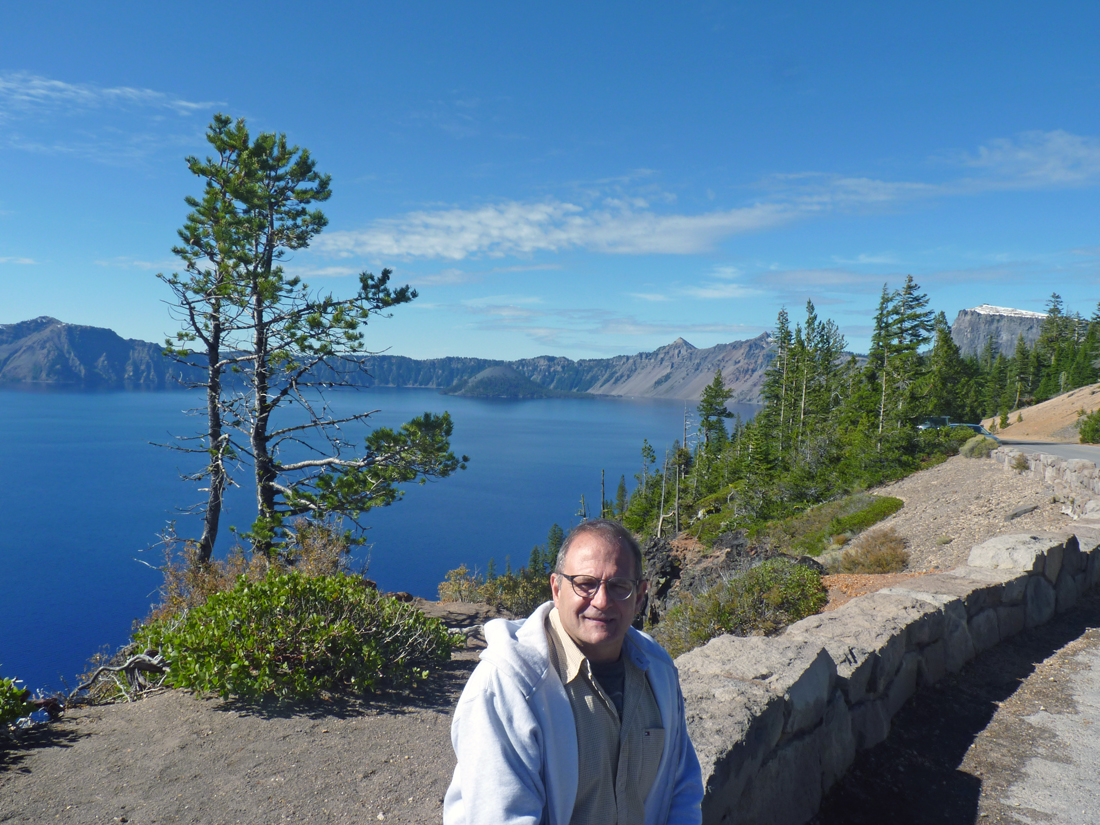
612	678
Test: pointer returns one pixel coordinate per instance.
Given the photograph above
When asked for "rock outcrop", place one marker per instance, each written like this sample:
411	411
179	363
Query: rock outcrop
973	328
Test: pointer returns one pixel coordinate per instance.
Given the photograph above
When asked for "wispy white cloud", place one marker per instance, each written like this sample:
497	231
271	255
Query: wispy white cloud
726	272
124	262
808	279
649	296
592	328
323	271
107	124
502	300
720	291
525	268
864	258
1037	160
18	260
447	277
718	285
524	228
23	93
606	218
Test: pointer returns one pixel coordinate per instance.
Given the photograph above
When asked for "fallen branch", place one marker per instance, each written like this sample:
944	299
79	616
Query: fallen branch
133	669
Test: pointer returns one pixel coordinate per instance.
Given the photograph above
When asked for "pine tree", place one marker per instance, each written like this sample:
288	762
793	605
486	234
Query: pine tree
906	326
946	374
712	410
620	498
776	389
279	340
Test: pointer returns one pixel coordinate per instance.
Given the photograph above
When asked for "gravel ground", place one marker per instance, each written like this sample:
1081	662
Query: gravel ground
175	758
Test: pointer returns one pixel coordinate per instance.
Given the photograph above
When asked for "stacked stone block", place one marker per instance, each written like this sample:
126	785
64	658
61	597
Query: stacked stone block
776	721
1073	481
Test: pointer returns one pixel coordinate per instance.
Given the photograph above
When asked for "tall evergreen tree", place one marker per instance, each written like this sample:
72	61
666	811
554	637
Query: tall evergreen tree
777	379
282	341
712	411
947	374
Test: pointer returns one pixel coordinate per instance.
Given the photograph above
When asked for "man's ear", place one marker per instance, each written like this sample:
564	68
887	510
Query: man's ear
555	586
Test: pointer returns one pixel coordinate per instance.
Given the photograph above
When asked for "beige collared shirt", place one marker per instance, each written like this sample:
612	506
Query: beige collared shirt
617	761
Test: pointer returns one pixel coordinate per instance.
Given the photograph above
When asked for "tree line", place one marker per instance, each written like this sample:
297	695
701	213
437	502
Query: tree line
833	423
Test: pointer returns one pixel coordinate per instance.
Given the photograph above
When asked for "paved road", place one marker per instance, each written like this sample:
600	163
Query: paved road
1058	782
1089	452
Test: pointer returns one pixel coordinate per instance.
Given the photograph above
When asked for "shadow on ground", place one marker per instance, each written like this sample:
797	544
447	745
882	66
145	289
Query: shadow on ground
16	745
913	777
438	692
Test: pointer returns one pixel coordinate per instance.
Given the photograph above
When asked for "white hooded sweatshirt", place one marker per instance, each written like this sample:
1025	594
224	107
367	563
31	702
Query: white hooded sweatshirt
516	742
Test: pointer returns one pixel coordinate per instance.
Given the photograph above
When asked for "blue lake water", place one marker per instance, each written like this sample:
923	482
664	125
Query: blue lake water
86	495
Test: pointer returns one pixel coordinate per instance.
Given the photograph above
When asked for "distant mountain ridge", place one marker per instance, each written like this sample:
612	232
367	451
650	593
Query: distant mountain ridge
973	327
45	351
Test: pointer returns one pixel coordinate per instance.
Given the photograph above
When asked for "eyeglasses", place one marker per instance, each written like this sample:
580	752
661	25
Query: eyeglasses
587	587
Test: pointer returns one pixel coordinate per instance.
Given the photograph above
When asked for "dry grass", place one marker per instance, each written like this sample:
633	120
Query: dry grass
878	551
314	549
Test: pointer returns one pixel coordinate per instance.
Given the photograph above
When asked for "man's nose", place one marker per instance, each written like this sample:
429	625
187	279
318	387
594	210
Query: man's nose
601	598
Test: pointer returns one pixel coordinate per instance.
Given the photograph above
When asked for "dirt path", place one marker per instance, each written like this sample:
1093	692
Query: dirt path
175	758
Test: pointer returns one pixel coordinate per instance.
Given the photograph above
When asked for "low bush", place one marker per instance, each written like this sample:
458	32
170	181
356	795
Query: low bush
831	523
1020	463
762	600
292	636
880	551
13	702
1089	428
978	447
519	593
877	509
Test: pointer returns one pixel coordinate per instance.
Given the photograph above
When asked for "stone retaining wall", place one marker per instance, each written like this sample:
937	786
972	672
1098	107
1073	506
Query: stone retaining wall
777	720
1075	482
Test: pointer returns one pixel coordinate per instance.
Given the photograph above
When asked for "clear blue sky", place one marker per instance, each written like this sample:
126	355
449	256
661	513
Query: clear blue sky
582	179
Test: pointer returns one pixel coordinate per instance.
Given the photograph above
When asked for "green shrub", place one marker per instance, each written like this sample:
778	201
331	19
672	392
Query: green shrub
518	593
764	599
882	551
13	702
809	532
313	548
879	508
978	447
1089	428
292	636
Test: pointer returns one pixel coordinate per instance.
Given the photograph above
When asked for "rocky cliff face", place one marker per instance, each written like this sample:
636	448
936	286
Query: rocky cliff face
678	370
973	327
47	351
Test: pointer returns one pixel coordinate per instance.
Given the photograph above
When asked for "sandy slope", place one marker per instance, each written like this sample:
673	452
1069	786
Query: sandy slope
1053	420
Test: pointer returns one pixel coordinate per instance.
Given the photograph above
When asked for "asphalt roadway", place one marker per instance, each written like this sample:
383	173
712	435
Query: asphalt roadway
1058	781
1088	452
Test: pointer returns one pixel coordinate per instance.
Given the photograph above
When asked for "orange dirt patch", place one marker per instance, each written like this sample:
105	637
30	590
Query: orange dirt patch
843	588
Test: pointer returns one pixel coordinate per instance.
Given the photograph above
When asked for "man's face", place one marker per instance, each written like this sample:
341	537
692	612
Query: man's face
597	625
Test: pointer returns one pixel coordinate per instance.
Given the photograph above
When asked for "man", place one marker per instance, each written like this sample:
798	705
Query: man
572	716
